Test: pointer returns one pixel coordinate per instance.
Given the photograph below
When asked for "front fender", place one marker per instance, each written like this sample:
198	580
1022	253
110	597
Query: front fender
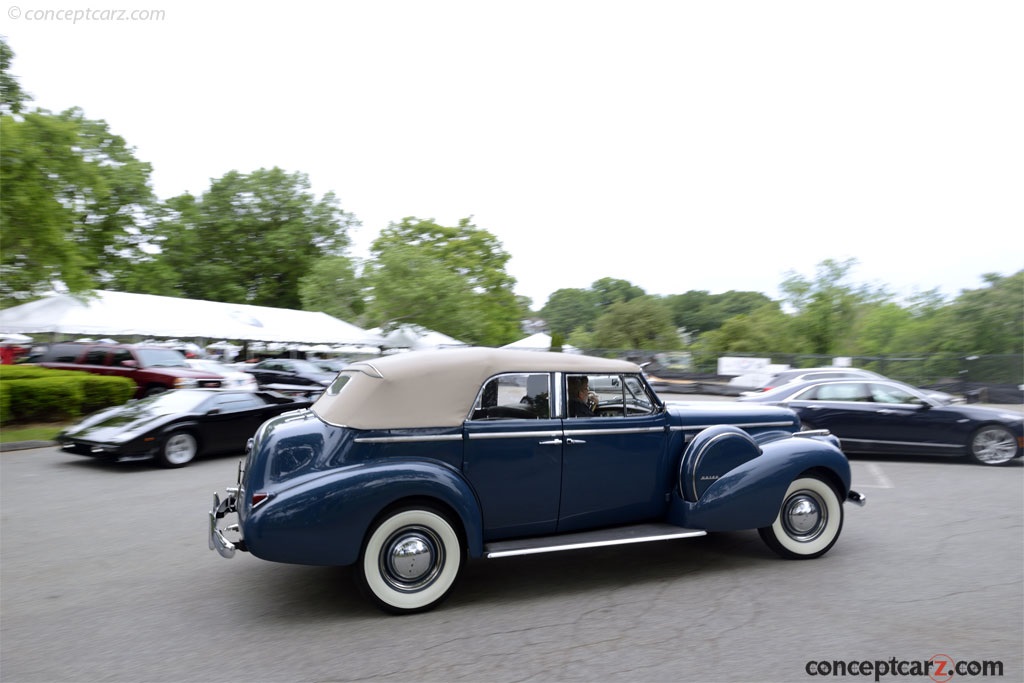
749	496
323	521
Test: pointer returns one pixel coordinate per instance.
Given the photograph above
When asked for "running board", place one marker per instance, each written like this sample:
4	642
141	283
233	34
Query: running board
638	533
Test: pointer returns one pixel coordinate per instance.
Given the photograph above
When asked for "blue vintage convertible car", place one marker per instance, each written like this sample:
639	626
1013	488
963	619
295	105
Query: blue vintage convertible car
410	465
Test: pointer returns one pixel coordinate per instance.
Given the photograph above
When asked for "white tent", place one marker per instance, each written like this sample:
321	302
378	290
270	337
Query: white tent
123	314
416	338
540	341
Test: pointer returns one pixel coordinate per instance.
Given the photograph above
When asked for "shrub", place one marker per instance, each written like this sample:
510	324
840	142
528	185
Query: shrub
34	394
43	399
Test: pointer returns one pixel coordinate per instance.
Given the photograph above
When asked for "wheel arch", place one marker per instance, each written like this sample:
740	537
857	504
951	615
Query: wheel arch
326	519
422	501
749	496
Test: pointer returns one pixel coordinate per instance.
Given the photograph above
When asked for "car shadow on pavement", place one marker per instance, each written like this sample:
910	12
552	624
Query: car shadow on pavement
305	593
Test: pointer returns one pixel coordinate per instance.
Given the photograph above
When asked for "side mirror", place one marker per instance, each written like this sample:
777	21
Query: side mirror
130	364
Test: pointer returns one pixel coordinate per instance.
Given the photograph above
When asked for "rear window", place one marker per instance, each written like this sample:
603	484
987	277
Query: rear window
61	353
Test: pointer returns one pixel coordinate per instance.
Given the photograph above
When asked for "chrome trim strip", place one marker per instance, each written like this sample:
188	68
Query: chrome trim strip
689	533
505	435
408	439
902	443
683	428
622	430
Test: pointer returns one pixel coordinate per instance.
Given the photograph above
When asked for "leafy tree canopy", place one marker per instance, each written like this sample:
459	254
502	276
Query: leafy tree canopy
450	279
249	239
73	194
569	309
640	323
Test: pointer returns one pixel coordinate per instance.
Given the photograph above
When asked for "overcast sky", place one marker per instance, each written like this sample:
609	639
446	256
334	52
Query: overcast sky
677	145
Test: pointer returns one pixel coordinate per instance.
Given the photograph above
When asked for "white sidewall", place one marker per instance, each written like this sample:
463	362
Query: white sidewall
834	509
444	581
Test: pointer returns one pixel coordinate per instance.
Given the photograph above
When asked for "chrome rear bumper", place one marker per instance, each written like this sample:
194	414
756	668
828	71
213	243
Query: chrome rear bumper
217	540
858	498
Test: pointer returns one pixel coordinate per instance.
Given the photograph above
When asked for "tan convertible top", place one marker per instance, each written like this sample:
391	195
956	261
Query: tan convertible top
436	388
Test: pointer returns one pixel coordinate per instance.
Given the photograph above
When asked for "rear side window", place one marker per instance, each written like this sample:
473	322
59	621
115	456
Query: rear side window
514	396
95	357
60	353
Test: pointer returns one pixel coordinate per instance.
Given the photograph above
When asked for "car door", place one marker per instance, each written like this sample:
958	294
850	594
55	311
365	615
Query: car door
905	422
513	456
845	408
615	464
228	419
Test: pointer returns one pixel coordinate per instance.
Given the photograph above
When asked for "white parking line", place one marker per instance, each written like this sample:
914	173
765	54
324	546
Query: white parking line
880	480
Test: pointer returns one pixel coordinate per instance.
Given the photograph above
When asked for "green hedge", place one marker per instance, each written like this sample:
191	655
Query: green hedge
34	394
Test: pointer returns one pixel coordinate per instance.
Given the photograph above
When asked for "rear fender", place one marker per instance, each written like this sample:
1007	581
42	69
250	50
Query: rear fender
323	520
749	496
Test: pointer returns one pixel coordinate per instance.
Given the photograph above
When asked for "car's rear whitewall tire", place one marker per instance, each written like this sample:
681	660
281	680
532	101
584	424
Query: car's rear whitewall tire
993	445
410	560
809	520
178	449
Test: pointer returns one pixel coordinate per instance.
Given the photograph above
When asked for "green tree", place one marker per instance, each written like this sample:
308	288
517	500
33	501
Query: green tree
987	320
825	308
569	309
249	239
449	279
72	195
331	286
12	97
762	331
640	323
699	311
608	291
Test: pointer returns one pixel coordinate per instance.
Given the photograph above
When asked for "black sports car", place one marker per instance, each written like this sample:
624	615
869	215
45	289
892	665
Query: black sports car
291	373
883	416
176	426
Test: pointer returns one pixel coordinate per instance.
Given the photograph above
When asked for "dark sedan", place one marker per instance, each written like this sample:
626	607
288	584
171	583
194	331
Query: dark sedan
176	426
883	416
290	373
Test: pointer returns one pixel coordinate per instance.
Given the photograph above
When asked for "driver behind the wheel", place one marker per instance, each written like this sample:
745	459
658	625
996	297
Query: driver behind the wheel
581	400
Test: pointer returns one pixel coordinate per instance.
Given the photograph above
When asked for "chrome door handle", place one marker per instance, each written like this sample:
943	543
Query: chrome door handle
574	441
553	442
886	411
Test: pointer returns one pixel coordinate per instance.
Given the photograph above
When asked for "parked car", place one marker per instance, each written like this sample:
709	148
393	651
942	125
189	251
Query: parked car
883	416
331	365
175	427
804	374
292	372
153	368
233	378
409	465
807	374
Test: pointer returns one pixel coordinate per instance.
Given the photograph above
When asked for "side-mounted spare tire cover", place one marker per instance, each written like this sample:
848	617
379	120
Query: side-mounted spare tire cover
712	453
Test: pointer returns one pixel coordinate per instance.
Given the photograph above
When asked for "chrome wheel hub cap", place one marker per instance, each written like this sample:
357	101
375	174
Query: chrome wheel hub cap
411	559
804	516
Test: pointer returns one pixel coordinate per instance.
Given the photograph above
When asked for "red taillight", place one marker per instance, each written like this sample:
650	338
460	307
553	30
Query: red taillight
259	497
